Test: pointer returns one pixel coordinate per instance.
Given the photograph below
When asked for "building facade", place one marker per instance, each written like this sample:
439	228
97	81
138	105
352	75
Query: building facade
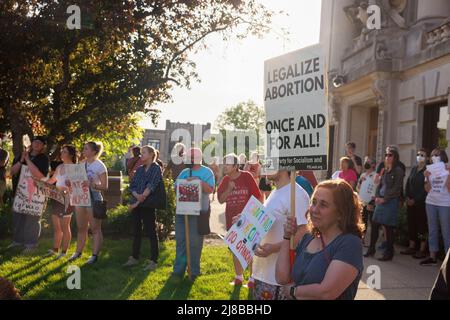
164	140
388	86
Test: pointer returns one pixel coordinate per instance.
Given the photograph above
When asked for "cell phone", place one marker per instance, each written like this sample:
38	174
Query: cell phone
26	141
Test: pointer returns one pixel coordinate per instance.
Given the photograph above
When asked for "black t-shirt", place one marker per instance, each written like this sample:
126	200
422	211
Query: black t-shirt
41	161
3	157
358	160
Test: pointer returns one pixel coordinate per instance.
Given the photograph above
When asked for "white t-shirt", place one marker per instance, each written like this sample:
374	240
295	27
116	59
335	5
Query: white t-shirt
94	170
279	204
439	194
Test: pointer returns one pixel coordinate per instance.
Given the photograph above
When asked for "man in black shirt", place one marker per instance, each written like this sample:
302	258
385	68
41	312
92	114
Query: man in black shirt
27	228
350	148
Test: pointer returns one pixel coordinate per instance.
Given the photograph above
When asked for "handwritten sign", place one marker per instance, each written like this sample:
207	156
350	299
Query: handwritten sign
29	199
246	234
368	189
51	192
76	174
188	197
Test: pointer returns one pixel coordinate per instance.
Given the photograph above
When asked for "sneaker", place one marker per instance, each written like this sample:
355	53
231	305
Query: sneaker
92	259
429	262
408	252
51	252
75	256
131	262
150	265
59	256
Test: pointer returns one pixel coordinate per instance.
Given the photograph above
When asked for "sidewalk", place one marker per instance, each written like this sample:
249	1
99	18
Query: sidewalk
401	279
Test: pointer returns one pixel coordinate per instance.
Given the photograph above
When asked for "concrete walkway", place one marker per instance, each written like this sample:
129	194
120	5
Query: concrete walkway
400	279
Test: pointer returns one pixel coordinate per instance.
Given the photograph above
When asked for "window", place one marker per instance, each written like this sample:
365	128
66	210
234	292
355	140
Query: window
155	143
435	126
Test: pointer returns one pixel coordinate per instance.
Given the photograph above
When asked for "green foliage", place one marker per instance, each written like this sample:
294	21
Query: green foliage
402	236
166	218
119	222
243	116
127	57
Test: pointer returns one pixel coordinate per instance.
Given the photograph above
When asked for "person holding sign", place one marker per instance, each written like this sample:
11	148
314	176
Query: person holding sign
194	171
278	204
328	263
437	184
235	189
98	182
415	203
60	216
366	190
27	224
144	183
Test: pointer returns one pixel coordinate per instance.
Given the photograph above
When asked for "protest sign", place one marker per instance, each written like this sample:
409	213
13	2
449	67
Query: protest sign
438	178
52	192
246	234
188	197
76	174
367	190
29	199
296	113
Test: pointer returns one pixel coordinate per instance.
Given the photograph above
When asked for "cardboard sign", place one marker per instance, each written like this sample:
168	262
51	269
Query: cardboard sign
246	234
51	192
438	178
296	111
188	197
367	190
76	174
29	199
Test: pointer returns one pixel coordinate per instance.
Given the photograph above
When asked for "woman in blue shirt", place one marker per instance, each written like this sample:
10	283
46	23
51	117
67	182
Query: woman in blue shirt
145	181
328	263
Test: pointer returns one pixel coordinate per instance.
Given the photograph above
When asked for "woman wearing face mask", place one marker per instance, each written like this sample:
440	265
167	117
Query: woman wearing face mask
415	202
437	206
98	182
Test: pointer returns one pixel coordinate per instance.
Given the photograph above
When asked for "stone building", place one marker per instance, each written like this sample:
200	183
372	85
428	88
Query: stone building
389	85
164	140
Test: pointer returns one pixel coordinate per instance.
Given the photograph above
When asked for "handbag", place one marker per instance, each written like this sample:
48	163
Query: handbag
156	199
99	207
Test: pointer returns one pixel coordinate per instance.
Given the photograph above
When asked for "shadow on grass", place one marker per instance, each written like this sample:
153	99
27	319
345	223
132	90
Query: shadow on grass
236	293
175	288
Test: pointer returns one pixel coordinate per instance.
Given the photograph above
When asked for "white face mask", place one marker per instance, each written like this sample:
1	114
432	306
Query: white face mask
436	159
420	159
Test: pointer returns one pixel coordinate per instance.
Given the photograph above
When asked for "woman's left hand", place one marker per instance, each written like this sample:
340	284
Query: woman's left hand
379	201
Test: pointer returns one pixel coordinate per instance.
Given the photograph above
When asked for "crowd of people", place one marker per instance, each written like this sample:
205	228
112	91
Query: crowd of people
330	227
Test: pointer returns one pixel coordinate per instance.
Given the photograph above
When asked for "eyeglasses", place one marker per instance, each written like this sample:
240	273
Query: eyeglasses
388	155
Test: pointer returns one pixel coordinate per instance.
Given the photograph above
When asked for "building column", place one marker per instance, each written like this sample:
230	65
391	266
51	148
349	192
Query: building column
380	89
448	126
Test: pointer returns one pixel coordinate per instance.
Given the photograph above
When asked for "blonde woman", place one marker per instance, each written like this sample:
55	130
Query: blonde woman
98	182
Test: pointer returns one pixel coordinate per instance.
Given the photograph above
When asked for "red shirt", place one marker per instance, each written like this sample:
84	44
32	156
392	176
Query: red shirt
349	175
245	187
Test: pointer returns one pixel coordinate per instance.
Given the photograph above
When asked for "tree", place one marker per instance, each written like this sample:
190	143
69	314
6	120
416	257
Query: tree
126	58
243	116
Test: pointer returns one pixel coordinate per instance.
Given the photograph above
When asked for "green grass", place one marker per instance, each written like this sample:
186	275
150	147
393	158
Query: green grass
40	277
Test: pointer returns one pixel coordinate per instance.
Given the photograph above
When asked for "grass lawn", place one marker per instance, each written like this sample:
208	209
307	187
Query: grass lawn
40	277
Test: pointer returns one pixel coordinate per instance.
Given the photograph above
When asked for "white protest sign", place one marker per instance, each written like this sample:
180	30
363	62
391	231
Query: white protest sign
438	178
246	234
52	192
76	174
296	112
367	190
188	197
29	199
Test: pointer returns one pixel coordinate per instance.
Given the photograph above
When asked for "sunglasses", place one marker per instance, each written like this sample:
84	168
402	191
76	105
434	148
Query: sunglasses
388	155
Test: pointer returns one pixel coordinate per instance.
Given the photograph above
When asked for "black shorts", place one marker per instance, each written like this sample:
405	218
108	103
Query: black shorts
58	209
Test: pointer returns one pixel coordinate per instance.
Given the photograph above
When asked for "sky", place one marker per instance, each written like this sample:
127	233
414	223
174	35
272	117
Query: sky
232	71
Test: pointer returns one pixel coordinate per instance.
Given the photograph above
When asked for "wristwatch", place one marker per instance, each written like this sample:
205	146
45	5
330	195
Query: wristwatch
292	292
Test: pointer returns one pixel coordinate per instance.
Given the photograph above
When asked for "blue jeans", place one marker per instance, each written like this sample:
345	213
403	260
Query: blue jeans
196	246
438	216
27	229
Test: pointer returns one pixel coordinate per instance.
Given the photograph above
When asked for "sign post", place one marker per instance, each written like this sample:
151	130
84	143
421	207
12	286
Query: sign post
296	114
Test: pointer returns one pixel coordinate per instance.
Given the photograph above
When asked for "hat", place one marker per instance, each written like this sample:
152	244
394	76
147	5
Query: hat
40	138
